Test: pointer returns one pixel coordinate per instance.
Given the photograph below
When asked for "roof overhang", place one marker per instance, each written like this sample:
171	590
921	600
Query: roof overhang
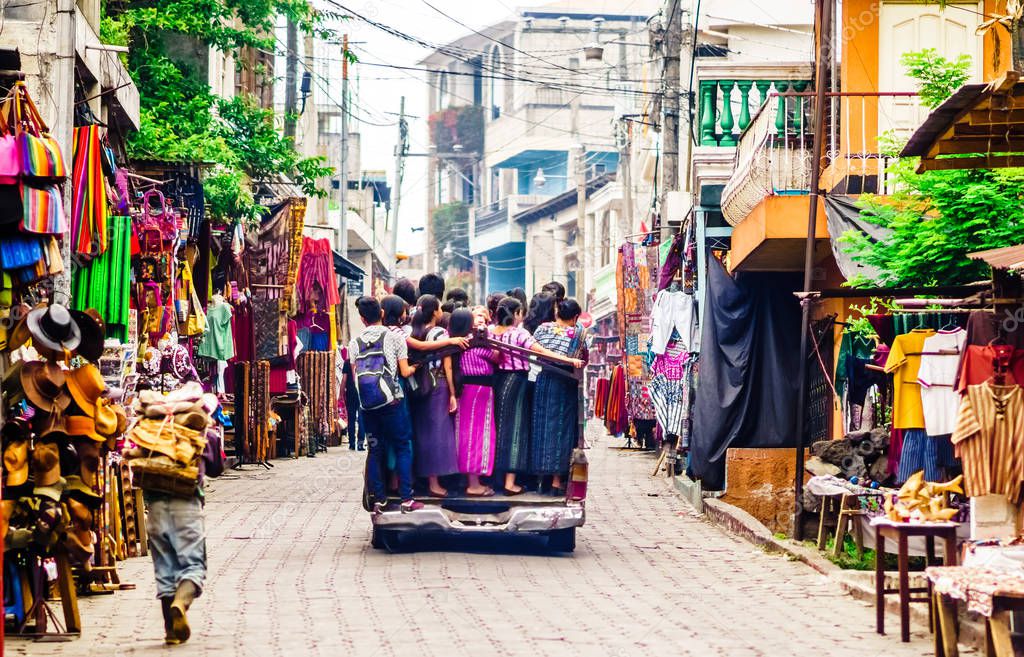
346	268
481	40
1008	257
981	126
564	200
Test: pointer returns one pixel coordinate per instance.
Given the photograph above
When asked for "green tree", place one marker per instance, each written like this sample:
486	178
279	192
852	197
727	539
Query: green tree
450	227
181	120
936	218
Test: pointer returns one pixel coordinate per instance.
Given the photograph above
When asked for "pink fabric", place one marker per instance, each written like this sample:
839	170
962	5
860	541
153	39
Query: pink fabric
316	270
474	429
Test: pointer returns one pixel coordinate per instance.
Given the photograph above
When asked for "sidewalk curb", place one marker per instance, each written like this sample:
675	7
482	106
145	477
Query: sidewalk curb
738	522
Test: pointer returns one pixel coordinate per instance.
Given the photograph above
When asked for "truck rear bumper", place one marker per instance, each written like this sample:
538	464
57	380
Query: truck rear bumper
517	519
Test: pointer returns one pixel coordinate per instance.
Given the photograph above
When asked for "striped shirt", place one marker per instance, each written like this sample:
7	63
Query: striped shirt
987	438
516	336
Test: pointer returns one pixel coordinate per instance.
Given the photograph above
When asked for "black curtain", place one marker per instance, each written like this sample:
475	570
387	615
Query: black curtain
747	389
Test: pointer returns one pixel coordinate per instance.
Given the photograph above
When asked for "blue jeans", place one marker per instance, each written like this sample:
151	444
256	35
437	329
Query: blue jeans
355	422
177	541
389	427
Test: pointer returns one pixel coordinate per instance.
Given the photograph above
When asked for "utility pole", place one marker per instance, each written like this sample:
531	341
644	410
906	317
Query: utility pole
823	19
581	220
291	71
401	149
670	108
62	129
625	154
342	235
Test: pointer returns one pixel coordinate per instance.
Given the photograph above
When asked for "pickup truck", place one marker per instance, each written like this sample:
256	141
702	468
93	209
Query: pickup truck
528	513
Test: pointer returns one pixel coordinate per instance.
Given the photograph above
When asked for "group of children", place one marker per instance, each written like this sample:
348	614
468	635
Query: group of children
437	400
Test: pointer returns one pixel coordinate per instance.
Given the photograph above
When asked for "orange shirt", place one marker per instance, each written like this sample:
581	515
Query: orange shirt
907	411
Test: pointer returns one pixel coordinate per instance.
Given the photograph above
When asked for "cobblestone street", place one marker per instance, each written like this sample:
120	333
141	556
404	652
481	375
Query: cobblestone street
648	577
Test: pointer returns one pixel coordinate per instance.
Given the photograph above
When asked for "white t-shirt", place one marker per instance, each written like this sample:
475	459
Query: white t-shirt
937	375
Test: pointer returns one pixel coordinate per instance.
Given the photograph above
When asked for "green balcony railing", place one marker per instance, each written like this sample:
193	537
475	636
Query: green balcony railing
726	107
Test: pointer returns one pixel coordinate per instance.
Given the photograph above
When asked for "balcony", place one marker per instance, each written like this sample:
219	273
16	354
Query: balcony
729	95
491	225
765	198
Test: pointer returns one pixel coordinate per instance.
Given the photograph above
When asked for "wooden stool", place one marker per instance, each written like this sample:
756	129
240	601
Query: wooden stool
998	642
900	533
828	517
850	511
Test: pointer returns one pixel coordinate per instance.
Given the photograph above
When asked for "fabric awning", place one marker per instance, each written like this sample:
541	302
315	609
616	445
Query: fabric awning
346	268
843	215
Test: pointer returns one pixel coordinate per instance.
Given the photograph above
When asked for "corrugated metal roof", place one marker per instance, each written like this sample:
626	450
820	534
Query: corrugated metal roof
1008	257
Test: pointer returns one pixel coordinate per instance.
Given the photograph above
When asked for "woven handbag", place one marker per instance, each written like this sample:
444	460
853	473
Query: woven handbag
42	208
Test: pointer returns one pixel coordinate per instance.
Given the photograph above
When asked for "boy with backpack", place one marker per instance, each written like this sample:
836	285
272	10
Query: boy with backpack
380	357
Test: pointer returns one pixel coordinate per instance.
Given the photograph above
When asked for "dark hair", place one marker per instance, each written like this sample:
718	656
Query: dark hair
518	293
569	309
542	309
493	299
505	313
394	308
425	309
460	324
406	290
554	288
458	297
447	307
431	284
369	309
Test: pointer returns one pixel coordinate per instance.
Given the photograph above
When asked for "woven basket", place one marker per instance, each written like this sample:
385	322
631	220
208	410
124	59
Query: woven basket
160	477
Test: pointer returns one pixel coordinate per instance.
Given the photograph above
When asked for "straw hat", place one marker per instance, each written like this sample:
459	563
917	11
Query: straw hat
106	418
53	331
43	384
93	331
19	335
86	385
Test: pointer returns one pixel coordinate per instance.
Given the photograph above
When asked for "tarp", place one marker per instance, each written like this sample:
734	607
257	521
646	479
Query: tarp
842	215
747	386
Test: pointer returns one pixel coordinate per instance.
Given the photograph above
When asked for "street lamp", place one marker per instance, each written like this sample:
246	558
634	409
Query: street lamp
539	180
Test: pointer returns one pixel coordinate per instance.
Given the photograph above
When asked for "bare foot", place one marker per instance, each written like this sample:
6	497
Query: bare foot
439	492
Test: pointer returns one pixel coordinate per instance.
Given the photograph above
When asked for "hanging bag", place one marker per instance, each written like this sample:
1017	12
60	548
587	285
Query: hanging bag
195	324
41	157
42	208
10	153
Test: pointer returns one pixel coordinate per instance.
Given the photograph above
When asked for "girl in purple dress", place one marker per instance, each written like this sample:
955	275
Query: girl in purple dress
434	402
474	418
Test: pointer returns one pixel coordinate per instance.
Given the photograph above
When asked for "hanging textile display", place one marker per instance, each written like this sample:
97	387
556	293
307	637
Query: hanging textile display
89	209
105	283
636	277
316	376
315	280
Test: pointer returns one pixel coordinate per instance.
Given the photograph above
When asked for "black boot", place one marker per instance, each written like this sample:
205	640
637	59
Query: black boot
165	608
183	598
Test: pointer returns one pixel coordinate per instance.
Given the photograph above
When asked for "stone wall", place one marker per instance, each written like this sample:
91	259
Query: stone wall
760	481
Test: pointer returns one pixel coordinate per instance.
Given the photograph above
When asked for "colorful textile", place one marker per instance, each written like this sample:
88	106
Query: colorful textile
43	209
89	210
637	279
315	279
616	420
104	284
513	414
976	585
218	342
517	336
475	430
904	362
554	429
919	451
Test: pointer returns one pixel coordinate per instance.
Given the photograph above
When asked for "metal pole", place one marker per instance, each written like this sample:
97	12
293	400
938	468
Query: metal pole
581	229
670	109
62	128
824	29
626	219
291	71
342	241
401	148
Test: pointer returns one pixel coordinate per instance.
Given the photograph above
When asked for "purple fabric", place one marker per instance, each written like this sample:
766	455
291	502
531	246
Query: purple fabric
516	336
477	362
434	441
673	262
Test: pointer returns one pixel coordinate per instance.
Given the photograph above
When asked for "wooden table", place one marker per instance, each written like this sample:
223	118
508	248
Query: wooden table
901	533
998	642
293	402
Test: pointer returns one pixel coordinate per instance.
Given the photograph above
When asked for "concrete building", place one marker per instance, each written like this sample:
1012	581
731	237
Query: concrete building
541	114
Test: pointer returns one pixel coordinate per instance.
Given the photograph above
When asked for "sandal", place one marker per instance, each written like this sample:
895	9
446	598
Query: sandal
488	492
513	493
434	493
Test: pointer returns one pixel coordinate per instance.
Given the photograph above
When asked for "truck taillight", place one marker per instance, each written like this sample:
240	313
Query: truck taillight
578	472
